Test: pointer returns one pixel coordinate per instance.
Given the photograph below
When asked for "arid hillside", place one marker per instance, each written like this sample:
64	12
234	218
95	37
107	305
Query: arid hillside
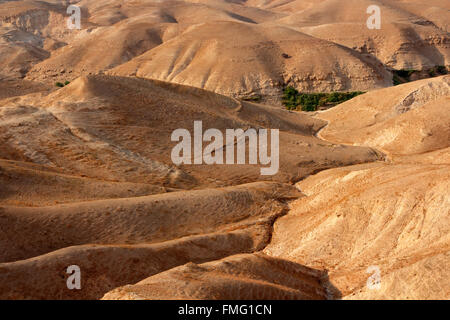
108	139
357	205
392	216
237	48
119	129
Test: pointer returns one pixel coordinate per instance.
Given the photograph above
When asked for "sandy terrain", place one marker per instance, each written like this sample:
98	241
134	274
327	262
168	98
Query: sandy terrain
393	215
234	48
87	178
128	194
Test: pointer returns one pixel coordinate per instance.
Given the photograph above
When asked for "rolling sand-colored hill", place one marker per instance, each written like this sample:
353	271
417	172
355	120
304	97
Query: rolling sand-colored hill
390	215
237	48
243	59
156	218
407	39
29	32
394	217
119	129
413	119
248	277
87	179
244	225
28	184
102	156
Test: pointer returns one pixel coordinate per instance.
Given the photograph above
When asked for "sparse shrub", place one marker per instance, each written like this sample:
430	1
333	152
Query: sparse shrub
60	84
441	69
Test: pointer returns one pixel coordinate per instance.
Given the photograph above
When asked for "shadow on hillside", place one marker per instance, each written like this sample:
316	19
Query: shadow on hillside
332	291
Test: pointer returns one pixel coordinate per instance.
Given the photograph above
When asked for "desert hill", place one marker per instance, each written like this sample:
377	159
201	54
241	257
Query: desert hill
245	276
393	215
406	40
410	120
102	156
86	170
389	215
119	129
243	59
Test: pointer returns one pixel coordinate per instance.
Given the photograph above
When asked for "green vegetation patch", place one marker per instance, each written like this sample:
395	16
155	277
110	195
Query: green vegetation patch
294	100
60	84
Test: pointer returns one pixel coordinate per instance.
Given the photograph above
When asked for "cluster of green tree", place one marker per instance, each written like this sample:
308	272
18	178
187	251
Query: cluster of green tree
294	100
